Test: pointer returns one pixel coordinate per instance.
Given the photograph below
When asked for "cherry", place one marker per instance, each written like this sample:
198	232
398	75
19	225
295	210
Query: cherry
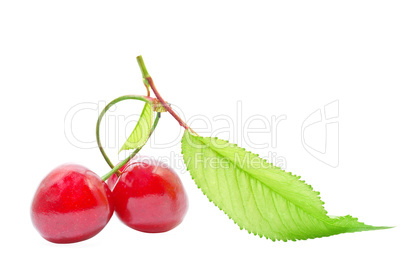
149	197
71	204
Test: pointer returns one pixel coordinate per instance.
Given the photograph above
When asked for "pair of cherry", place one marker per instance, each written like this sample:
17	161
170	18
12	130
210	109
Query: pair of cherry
72	203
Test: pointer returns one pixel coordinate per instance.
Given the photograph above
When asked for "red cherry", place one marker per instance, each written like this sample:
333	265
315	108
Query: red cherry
71	204
150	197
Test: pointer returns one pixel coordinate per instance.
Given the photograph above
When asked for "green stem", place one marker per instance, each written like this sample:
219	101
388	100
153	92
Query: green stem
113	102
144	72
146	77
122	163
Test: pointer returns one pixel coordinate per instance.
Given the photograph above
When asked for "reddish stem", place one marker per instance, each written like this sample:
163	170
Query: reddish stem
165	105
149	82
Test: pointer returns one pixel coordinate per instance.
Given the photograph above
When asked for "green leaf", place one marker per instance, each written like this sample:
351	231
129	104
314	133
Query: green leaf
140	134
259	197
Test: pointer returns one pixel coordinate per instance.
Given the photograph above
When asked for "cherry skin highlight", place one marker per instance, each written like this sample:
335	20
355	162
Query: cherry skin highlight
150	197
71	204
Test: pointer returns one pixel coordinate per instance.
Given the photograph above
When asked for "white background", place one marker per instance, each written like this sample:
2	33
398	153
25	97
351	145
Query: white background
279	58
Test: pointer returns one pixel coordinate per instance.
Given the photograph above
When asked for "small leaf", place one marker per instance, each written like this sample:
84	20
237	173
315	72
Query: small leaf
259	197
140	134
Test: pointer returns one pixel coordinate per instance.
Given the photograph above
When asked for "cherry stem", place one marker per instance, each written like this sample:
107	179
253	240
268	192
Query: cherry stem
148	82
115	169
